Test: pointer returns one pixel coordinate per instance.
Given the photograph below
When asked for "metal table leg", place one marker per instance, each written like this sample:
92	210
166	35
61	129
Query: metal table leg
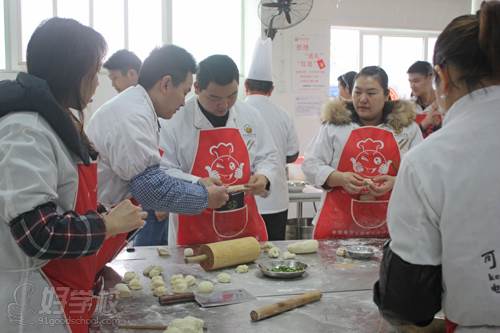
299	219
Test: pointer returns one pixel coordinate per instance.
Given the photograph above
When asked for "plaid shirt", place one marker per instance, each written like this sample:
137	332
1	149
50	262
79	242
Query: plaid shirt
156	190
43	233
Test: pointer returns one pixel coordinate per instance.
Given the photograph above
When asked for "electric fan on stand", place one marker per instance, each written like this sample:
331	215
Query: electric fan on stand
283	14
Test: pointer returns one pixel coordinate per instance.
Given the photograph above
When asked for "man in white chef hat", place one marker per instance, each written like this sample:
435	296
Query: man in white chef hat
259	87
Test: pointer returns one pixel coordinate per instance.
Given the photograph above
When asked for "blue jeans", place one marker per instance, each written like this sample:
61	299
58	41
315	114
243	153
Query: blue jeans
154	232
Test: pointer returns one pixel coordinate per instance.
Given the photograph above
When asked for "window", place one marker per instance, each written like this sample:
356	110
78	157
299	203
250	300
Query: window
144	26
109	20
33	13
75	9
393	50
2	37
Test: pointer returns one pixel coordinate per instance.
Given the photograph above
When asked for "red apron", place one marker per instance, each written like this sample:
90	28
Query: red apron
427	131
222	154
369	152
73	279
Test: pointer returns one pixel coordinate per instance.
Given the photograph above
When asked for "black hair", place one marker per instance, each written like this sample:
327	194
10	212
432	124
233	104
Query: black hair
378	73
420	67
471	44
258	85
219	69
123	60
167	60
346	80
62	52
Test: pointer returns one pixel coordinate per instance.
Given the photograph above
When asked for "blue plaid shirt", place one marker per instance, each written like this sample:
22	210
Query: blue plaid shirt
156	190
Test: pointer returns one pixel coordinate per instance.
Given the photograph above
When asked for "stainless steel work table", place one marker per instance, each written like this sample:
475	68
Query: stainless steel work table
346	305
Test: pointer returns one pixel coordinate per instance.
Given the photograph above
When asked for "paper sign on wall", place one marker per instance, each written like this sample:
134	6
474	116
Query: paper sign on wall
309	64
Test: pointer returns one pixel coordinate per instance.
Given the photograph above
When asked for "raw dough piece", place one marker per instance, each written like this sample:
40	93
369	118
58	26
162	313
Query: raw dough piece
154	272
307	246
188	252
187	324
342	252
179	286
190	280
368	182
135	284
176	277
224	278
122	290
267	246
160	291
242	269
148	269
205	287
288	255
129	276
163	251
274	252
155	283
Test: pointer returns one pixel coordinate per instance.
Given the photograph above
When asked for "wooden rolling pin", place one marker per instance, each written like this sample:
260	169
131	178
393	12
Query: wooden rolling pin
288	304
226	253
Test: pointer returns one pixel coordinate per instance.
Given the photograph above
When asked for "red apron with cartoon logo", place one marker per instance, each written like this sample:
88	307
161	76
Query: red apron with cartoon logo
369	152
222	154
74	279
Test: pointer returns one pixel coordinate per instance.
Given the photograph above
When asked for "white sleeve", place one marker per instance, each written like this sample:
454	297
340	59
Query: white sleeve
28	170
292	138
169	160
319	157
416	135
412	220
265	161
129	144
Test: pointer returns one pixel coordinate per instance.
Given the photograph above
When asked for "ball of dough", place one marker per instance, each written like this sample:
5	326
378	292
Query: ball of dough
176	277
180	286
129	276
190	280
242	269
122	290
205	287
160	291
188	252
307	246
223	278
187	324
157	283
267	246
341	251
171	329
148	269
163	251
135	284
288	255
274	252
154	272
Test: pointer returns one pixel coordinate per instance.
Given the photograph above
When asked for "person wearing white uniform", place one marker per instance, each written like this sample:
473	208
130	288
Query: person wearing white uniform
444	212
216	137
259	87
125	131
356	156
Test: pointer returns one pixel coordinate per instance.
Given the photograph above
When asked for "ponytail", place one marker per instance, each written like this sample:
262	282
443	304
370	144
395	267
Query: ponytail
489	34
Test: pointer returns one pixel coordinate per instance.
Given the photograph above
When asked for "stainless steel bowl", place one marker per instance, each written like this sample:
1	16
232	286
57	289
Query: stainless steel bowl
296	186
267	266
360	251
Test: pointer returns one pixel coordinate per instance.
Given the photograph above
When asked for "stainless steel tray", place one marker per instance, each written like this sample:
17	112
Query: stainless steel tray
360	251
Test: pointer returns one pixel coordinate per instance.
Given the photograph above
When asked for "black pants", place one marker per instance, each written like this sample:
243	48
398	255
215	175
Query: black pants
276	225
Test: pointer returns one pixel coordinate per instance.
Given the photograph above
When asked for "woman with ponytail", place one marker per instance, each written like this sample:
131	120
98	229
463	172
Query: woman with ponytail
444	213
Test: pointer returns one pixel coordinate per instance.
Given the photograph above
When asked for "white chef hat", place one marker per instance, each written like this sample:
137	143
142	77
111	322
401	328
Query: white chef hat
261	67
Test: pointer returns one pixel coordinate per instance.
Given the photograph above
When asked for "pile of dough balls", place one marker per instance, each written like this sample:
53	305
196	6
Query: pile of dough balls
132	281
122	290
152	270
180	283
187	324
158	286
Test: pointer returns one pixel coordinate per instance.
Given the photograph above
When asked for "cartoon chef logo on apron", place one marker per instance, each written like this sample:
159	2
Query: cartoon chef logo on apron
369	152
225	167
222	154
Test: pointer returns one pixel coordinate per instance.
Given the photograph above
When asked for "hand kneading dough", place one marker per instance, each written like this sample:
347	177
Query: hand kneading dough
191	280
129	276
205	287
224	278
135	284
122	290
274	252
187	324
308	246
160	291
188	252
242	269
288	255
